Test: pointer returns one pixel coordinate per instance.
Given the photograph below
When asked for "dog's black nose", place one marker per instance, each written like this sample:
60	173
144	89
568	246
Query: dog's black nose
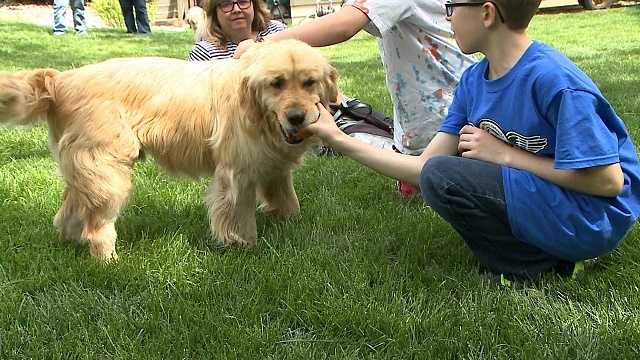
295	117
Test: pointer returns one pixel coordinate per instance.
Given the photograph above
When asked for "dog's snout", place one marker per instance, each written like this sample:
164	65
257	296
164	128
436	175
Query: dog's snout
295	116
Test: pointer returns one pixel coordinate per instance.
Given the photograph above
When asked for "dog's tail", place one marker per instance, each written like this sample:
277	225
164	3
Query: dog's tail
25	97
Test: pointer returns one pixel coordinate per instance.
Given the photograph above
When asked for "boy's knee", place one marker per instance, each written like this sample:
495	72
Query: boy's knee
433	180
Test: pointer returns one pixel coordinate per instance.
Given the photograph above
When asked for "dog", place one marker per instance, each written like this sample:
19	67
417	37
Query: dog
196	18
235	120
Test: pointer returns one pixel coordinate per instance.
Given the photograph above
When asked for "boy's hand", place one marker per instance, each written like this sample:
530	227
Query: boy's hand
243	46
325	127
475	143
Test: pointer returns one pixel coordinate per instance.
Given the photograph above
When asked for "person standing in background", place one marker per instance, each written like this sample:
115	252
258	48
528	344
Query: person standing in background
79	22
140	23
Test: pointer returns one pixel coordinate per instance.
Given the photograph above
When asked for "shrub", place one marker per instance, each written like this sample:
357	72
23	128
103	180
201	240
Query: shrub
109	11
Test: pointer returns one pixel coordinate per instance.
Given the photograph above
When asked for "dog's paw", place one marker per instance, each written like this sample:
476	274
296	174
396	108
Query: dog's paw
268	210
68	231
234	239
288	212
104	253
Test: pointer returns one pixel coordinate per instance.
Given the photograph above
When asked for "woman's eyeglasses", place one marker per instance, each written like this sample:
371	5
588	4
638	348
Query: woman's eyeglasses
449	5
227	6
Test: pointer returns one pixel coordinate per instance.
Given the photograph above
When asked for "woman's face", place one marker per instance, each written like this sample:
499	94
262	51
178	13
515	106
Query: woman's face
235	17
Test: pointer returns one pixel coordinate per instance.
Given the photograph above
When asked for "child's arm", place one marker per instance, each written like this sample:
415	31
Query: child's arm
386	162
327	30
606	180
324	31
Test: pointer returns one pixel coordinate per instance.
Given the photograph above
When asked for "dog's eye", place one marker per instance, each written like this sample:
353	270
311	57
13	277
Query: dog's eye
309	83
277	83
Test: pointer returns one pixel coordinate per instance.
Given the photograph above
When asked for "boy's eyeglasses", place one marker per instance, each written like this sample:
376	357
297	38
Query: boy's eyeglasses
449	5
227	6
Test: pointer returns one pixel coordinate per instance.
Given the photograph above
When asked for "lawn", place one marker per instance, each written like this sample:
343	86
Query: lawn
360	274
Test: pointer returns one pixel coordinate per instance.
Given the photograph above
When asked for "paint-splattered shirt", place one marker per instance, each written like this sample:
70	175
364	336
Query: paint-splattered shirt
422	64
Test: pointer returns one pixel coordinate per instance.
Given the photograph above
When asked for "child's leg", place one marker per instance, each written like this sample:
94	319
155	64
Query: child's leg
59	7
469	195
79	20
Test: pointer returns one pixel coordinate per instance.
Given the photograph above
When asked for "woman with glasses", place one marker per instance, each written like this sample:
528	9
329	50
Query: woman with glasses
230	22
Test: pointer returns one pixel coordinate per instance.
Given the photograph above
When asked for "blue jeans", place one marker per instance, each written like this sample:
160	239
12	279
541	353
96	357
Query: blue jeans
469	195
139	23
59	8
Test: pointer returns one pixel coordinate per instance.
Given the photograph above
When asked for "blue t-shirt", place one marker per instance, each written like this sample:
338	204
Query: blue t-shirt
546	105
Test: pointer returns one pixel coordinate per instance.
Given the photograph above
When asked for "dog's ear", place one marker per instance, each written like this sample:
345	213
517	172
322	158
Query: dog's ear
249	98
329	86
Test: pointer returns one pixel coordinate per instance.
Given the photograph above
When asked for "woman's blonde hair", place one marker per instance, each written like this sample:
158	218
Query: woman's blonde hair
213	32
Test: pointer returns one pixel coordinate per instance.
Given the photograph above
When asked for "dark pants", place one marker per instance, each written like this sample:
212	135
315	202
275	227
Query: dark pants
469	195
141	18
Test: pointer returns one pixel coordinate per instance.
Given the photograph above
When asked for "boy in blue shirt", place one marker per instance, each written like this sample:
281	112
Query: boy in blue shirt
531	165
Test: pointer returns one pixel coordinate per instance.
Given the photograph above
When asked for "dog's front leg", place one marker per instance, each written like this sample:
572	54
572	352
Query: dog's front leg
278	195
232	207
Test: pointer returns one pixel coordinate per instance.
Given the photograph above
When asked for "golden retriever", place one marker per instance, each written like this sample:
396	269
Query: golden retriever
236	120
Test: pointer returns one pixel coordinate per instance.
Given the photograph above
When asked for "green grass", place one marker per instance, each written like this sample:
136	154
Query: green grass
360	274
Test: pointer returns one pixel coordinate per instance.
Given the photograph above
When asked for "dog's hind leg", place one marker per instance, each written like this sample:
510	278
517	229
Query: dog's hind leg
97	186
278	196
231	199
96	165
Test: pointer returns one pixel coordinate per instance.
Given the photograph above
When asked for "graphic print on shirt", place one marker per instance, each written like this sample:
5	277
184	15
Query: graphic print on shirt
531	144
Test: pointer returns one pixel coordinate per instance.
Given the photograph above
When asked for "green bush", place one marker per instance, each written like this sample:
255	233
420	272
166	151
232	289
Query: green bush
110	12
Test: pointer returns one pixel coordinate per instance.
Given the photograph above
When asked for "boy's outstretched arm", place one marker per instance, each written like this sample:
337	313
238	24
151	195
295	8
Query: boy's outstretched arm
606	180
386	162
323	31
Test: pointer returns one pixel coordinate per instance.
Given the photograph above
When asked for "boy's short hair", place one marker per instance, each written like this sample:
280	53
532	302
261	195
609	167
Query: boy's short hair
518	13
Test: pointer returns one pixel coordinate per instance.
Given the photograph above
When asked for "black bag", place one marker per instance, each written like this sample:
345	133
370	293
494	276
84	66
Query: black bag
354	116
360	121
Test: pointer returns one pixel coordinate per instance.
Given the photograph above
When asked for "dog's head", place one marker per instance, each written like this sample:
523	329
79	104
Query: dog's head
286	80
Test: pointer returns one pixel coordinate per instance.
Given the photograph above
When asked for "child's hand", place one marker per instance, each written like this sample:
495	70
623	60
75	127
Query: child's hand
325	127
243	46
478	144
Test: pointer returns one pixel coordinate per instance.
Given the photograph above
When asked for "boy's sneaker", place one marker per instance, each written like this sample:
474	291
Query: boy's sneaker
565	269
503	281
578	269
574	270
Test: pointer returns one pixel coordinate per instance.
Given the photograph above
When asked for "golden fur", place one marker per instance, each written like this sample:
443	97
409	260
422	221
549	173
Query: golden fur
232	119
